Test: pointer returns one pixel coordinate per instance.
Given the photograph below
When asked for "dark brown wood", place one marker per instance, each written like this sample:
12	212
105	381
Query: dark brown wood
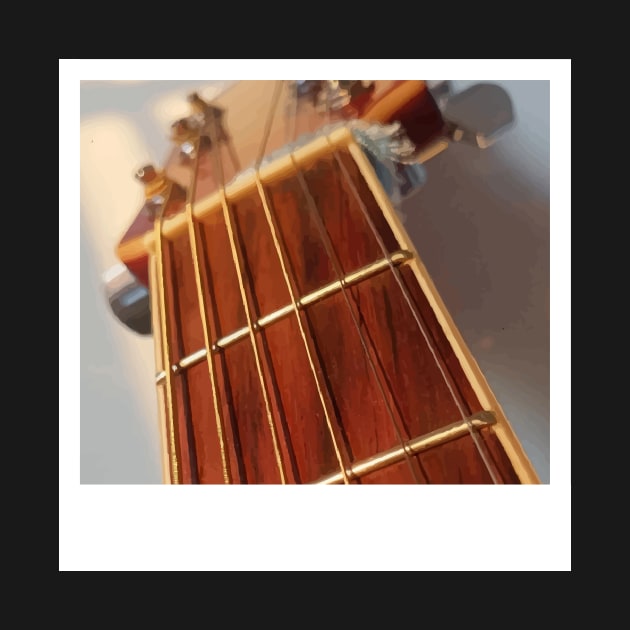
246	107
412	385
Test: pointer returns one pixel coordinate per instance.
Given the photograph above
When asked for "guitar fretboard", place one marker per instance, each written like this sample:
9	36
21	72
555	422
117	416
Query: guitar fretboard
327	360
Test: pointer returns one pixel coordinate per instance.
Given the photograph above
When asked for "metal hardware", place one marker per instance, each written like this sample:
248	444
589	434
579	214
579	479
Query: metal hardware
479	115
397	258
441	91
128	299
412	447
332	96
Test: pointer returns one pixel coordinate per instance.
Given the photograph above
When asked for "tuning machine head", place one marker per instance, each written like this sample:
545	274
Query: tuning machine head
157	187
185	133
478	115
128	299
205	122
146	174
334	96
187	128
441	91
154	180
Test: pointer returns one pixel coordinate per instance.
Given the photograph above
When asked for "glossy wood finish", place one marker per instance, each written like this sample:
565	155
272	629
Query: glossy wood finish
377	397
246	107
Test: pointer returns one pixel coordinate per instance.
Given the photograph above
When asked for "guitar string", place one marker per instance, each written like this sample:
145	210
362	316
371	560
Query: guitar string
229	223
395	271
334	259
292	104
181	383
204	311
325	237
268	123
427	337
314	212
165	331
298	314
289	277
154	291
233	155
446	376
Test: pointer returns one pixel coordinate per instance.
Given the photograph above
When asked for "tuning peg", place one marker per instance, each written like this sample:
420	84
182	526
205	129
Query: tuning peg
205	109
198	104
146	174
478	115
153	180
185	129
207	119
128	299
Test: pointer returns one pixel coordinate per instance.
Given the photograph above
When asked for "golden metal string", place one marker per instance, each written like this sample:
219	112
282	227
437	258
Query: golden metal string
227	215
204	311
286	269
334	259
451	387
165	331
320	392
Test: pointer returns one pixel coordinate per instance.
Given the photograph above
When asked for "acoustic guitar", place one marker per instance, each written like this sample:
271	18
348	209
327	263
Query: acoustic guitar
298	335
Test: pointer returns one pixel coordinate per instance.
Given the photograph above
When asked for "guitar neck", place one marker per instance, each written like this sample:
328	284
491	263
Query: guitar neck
305	341
245	108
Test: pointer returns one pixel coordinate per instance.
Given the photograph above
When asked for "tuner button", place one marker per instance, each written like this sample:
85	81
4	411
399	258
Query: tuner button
146	174
187	150
479	114
128	299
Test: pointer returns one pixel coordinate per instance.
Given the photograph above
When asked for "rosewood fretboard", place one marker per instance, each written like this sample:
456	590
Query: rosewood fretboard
348	378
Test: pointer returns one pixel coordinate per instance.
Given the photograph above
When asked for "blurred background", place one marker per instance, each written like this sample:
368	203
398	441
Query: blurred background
480	224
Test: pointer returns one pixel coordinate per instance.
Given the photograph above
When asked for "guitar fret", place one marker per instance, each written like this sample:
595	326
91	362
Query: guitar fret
412	447
397	258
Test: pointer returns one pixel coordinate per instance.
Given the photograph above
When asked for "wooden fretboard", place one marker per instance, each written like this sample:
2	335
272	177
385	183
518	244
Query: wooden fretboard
332	357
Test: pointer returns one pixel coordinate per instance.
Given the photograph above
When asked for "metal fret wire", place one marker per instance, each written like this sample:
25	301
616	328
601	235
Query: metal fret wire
323	233
425	334
235	257
285	266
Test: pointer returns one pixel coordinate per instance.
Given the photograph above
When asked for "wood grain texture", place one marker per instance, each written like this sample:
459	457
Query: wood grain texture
378	376
246	106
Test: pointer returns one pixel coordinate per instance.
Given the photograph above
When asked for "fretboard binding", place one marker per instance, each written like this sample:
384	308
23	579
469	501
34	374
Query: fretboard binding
397	258
412	447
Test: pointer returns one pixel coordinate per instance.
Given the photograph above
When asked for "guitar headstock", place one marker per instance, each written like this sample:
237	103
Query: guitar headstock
253	119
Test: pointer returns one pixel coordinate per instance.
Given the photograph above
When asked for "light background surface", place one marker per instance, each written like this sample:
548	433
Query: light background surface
127	526
481	225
